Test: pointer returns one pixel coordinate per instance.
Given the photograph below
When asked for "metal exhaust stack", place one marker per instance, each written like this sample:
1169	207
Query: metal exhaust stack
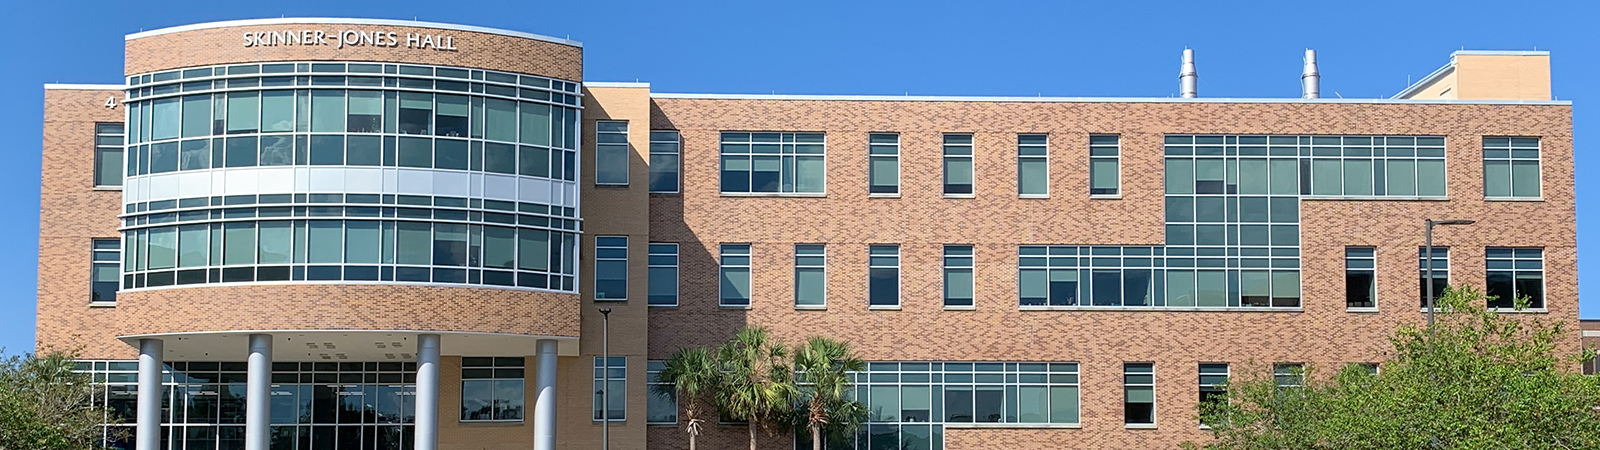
1310	79
1187	77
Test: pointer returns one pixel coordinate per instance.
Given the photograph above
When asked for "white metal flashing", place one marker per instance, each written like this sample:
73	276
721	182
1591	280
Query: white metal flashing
1501	52
349	21
615	84
84	87
1591	333
897	98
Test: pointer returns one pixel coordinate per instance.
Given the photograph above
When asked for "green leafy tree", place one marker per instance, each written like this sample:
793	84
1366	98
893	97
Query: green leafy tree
757	382
45	405
1477	380
691	374
825	403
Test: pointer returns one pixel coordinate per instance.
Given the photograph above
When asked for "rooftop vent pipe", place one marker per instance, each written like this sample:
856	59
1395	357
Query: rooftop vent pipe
1310	80
1187	77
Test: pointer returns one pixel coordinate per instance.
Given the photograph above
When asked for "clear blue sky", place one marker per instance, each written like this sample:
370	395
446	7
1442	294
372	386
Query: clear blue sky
1368	49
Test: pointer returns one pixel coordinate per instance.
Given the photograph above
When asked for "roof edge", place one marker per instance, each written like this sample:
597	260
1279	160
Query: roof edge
666	95
84	87
615	84
349	21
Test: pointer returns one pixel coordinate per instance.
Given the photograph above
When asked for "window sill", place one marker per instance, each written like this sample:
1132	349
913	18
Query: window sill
1519	311
1012	425
1163	308
1033	196
108	188
960	196
659	424
665	193
672	306
1514	199
611	186
811	307
1361	310
1375	197
1139	426
597	421
883	307
961	308
491	423
774	194
734	307
1105	197
110	304
611	300
883	195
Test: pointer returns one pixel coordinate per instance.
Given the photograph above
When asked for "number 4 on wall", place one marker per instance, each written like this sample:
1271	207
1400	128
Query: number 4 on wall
111	102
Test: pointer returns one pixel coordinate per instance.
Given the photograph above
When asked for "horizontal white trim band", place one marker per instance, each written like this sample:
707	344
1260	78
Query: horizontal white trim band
349	21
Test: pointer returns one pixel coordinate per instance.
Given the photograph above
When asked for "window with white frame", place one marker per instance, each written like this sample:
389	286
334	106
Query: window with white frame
108	139
810	276
958	164
1033	165
1289	375
883	173
666	162
773	163
1514	273
614	396
663	271
1213	385
884	275
104	277
735	275
1511	167
958	278
1139	393
611	152
1105	165
1441	273
611	268
1360	275
662	406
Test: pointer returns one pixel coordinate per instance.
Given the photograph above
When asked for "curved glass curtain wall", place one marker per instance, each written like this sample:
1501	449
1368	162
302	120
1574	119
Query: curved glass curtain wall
320	118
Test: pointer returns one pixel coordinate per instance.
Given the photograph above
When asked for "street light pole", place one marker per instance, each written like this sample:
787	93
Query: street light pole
1427	243
605	383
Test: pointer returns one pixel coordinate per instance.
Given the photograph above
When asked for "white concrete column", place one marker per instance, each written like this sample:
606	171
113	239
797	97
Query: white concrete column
148	433
427	426
258	394
544	388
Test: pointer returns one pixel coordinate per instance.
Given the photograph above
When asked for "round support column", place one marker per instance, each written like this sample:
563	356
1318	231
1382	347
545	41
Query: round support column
544	388
258	394
148	432
427	425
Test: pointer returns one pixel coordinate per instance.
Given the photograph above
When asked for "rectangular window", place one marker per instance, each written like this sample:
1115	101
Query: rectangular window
1514	273
1213	385
611	268
909	395
1441	273
1139	399
735	276
492	389
661	407
1360	286
883	172
958	279
1289	375
1043	281
1511	167
883	267
617	402
663	274
108	138
810	276
958	165
611	153
104	270
1105	165
1033	165
666	162
773	163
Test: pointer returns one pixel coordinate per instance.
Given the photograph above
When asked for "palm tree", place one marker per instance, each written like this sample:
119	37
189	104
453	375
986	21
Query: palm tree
690	374
757	383
824	366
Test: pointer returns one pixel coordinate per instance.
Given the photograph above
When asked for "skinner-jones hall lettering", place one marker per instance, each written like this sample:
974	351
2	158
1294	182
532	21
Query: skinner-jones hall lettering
351	38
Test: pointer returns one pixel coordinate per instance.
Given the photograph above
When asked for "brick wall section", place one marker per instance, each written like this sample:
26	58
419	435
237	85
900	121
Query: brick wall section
477	50
71	214
996	221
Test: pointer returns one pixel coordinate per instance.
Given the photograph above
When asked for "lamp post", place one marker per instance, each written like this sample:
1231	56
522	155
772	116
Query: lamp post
1427	243
605	383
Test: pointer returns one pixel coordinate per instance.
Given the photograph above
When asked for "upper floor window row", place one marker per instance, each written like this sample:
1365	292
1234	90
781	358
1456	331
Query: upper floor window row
1511	167
773	163
353	74
1347	166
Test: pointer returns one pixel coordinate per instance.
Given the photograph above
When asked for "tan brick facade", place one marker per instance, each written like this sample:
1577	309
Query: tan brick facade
996	222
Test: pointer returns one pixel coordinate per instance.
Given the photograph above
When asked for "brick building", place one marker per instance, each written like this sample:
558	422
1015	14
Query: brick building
401	235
